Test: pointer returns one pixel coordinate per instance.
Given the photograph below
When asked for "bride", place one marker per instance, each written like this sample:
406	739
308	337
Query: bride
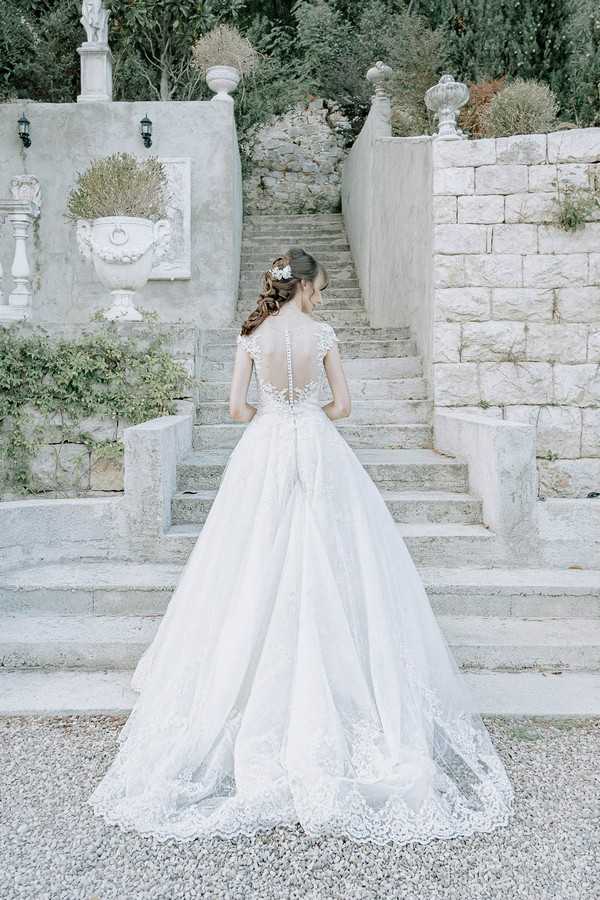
299	675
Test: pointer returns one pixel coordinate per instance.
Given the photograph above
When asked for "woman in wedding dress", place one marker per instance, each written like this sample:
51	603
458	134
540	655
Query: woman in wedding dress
299	675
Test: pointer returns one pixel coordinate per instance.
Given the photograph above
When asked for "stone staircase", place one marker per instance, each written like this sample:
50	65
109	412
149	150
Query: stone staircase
528	639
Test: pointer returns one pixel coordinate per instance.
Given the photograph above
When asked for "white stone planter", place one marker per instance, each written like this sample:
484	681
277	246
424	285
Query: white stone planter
223	80
123	250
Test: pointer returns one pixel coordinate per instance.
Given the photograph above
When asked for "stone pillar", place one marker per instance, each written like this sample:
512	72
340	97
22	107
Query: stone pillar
96	72
381	107
95	55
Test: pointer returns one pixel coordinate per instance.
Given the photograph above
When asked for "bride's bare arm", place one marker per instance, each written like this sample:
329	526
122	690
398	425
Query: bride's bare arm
341	405
239	409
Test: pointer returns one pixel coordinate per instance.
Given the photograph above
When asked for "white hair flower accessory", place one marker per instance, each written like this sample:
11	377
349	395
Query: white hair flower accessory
281	274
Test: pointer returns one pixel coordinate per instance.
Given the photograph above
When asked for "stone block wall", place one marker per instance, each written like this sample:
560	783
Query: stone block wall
84	458
65	138
295	160
516	299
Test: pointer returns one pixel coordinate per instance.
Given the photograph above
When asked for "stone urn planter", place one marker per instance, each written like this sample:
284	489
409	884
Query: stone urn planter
123	250
223	80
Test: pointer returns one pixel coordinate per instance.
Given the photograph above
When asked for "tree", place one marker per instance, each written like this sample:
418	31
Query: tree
488	39
152	41
38	58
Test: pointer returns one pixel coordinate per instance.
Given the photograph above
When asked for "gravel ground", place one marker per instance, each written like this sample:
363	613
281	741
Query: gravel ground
52	847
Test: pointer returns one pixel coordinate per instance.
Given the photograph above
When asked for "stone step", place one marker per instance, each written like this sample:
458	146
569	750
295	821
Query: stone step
405	506
349	299
293	218
384	412
554	593
364	349
337	318
370	389
258	254
55	692
345	333
279	240
342	278
428	544
404	367
477	642
118	587
353	293
389	469
388	370
400	437
515	643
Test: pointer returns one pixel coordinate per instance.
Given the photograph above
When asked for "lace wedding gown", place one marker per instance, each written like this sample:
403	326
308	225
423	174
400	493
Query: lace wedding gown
299	674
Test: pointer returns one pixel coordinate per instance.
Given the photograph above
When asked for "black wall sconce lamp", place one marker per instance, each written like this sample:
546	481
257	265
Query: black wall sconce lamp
146	131
24	130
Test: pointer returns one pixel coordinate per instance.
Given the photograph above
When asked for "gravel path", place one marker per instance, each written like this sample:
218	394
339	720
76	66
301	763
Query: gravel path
52	846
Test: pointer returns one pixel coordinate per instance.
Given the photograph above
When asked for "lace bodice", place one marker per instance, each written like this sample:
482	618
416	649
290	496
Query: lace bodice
288	350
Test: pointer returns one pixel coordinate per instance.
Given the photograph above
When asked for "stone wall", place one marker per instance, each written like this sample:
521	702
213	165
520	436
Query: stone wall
516	299
77	458
65	137
295	161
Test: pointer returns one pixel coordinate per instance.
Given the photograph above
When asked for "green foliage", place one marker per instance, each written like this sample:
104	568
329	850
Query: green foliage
582	75
522	107
422	59
59	383
152	41
120	185
575	206
491	38
37	50
335	52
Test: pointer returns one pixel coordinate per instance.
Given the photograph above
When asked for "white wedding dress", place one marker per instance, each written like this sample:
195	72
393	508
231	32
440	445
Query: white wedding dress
299	674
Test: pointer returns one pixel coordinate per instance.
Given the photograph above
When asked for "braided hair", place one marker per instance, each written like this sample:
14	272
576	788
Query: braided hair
275	292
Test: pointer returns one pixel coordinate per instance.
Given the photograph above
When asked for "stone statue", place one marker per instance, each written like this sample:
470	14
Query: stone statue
94	19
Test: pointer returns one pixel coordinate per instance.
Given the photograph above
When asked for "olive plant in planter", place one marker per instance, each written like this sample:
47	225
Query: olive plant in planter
119	206
224	56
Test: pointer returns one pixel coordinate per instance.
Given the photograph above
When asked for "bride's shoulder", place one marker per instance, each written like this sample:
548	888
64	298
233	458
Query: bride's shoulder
326	335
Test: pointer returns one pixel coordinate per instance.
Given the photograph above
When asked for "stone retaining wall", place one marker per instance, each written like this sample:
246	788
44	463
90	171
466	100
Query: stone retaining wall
516	324
296	160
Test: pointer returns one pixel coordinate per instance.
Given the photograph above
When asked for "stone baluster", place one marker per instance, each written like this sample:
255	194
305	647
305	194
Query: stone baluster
20	211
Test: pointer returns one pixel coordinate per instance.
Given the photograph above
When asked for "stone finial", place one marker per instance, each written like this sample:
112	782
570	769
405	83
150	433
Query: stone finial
94	18
378	75
444	99
27	187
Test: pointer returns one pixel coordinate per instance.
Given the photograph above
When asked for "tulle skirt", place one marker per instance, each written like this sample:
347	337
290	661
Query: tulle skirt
299	675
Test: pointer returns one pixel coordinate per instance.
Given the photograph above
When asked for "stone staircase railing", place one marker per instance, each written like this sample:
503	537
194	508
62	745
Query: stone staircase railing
19	212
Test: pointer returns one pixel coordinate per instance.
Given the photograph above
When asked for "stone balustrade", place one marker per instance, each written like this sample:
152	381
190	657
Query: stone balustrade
18	213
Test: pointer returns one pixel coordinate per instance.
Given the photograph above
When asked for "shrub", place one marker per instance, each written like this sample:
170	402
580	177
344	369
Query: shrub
335	53
120	185
522	107
575	206
224	46
480	96
45	381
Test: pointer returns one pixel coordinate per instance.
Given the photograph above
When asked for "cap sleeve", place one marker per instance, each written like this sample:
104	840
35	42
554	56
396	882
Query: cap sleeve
245	342
327	338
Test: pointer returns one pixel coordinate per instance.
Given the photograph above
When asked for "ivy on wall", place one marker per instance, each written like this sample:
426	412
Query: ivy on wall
49	387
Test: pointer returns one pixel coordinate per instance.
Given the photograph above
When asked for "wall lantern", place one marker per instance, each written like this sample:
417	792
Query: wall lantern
24	130
146	131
